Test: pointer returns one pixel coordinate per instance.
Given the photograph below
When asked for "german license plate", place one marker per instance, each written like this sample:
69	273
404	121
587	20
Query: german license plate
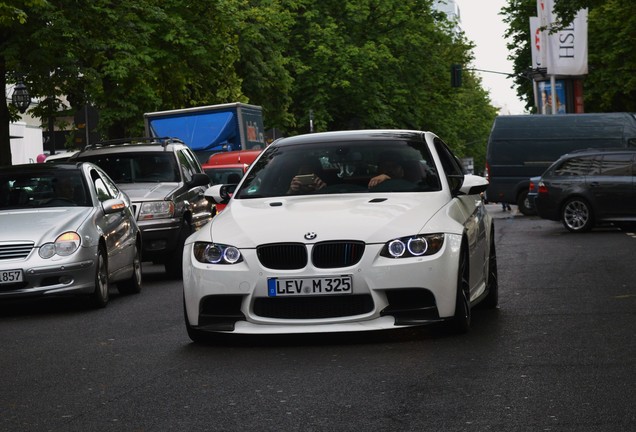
10	276
332	285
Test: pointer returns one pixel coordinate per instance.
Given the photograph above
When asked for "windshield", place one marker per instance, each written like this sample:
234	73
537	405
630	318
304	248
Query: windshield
143	167
224	175
43	189
341	167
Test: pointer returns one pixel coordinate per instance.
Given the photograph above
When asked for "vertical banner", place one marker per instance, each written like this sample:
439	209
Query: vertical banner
565	49
537	49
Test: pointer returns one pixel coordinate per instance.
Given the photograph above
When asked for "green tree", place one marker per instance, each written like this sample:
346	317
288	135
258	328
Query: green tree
611	82
366	63
383	64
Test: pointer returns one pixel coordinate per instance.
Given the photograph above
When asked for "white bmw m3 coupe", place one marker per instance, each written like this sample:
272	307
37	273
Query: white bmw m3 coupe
341	232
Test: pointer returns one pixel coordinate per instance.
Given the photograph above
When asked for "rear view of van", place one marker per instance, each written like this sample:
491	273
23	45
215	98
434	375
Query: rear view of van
524	146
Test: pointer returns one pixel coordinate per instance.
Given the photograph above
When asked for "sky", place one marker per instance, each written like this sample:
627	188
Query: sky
483	25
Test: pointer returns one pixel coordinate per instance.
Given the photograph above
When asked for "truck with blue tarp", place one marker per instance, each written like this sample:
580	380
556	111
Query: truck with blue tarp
212	128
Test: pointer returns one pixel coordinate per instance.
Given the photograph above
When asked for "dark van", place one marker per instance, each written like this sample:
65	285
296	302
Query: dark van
524	146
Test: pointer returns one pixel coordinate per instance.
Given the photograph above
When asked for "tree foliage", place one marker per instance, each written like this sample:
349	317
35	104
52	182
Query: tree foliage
353	64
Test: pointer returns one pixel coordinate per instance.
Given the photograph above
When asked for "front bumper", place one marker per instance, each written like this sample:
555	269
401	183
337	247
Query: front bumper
160	237
41	277
387	293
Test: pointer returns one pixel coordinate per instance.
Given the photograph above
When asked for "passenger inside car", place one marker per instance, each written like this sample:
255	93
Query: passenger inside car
308	178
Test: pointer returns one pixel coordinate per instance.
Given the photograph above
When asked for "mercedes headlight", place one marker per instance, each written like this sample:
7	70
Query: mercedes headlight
64	245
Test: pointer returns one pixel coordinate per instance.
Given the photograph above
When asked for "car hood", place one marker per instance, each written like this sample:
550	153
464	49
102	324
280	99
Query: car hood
369	218
40	225
148	191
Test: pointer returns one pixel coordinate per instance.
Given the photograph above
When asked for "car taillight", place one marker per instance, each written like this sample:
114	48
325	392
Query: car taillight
487	173
531	187
543	189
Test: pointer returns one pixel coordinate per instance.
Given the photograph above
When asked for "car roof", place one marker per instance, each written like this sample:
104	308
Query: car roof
44	167
594	151
352	135
129	145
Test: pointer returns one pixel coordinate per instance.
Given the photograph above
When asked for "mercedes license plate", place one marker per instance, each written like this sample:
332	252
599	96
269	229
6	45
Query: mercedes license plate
10	276
331	285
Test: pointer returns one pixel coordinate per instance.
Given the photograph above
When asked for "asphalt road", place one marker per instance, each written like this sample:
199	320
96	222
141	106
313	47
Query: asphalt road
558	355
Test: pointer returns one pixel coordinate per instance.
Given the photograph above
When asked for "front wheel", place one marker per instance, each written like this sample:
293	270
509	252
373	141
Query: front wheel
132	285
492	282
461	321
576	215
99	298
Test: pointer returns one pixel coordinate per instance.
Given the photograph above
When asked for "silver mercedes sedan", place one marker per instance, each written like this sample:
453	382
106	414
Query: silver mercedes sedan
66	229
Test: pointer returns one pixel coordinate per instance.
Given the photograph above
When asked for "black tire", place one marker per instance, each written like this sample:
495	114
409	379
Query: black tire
523	203
174	263
576	215
133	285
99	298
492	283
460	323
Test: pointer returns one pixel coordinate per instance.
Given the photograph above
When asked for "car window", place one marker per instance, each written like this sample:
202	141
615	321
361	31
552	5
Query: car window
104	187
187	168
452	167
55	188
138	167
224	175
341	167
193	161
577	166
616	165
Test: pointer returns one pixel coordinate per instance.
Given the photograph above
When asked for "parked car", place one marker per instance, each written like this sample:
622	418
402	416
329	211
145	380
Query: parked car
66	229
343	231
165	183
229	167
588	187
62	156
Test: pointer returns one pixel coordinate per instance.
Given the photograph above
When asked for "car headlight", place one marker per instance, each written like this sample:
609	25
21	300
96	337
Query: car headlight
156	210
64	245
213	253
413	246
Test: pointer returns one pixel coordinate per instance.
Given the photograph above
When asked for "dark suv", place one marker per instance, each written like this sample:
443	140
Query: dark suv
587	187
165	183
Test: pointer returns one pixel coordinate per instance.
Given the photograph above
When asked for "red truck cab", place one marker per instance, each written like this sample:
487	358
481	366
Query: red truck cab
229	167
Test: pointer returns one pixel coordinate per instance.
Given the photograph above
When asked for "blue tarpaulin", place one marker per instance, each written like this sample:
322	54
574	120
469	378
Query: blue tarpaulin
200	131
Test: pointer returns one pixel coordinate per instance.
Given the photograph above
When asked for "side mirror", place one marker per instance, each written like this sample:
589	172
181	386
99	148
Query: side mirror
219	194
473	185
199	179
113	206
